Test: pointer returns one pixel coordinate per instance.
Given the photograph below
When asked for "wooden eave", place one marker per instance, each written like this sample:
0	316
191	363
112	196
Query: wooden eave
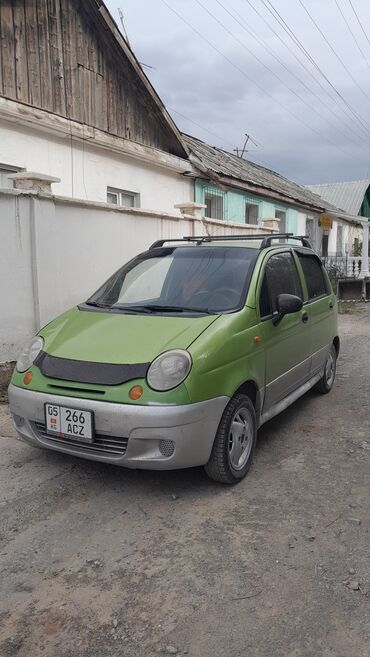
109	23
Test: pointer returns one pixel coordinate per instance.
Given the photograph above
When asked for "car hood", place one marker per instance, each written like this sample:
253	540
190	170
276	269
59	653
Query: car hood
118	338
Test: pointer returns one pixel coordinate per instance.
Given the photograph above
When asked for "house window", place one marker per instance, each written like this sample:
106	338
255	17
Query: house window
251	213
214	206
281	215
324	245
5	170
123	197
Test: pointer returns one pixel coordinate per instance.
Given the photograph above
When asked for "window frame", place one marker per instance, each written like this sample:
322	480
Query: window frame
163	251
328	290
252	204
324	247
124	192
262	273
9	169
214	198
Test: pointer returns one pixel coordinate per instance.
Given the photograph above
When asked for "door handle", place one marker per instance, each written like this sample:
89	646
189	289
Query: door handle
331	305
305	317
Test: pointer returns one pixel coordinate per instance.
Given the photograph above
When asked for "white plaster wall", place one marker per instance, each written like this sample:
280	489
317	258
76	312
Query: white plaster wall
347	239
16	285
301	223
92	243
348	235
55	252
86	170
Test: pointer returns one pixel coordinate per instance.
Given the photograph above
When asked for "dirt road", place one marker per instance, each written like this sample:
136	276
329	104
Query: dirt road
99	561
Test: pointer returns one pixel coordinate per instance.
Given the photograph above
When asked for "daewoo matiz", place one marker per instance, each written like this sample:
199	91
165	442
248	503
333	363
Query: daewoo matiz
181	355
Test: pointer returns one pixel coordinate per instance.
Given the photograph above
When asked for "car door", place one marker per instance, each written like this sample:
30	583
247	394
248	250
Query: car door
320	306
286	344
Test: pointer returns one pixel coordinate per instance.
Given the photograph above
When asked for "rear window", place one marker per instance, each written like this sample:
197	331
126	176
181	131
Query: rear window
314	275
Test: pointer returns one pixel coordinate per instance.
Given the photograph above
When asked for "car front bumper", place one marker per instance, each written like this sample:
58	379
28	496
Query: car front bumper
149	437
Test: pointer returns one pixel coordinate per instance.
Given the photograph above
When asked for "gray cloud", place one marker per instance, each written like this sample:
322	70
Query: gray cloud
195	81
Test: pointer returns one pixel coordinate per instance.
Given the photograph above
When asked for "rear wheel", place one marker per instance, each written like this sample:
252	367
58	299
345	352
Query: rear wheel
235	441
326	383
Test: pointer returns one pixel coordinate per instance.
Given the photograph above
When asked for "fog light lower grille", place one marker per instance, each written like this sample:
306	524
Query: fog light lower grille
166	447
18	420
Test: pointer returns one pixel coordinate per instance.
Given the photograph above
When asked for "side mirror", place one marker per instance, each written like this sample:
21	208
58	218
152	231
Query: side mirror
286	304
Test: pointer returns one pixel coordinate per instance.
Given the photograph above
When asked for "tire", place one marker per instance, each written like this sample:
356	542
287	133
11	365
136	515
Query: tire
233	447
326	383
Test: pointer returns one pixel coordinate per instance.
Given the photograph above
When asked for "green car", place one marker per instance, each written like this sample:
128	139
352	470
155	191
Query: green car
182	355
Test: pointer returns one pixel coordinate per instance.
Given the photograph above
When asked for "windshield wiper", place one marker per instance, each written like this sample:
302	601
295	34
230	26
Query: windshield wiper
172	309
148	309
96	304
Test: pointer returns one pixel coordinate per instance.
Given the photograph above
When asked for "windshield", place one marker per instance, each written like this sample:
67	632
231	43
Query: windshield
187	279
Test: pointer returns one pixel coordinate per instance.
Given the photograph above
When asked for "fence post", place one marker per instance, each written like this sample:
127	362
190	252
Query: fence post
45	267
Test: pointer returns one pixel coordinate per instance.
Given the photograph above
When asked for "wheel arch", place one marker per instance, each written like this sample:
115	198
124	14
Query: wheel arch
251	389
336	343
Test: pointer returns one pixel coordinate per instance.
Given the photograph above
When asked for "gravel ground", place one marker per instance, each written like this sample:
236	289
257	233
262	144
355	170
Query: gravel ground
99	561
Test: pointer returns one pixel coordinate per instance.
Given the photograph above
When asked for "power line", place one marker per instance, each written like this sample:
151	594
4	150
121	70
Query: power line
332	49
266	47
265	66
283	24
351	115
201	127
352	34
250	79
359	22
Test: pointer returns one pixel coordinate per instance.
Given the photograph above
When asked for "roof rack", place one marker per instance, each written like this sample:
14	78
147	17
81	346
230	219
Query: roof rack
301	238
265	243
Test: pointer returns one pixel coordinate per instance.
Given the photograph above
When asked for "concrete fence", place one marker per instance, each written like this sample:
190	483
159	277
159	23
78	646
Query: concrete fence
54	252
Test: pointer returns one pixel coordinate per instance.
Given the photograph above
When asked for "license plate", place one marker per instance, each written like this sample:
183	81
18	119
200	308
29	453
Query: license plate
67	422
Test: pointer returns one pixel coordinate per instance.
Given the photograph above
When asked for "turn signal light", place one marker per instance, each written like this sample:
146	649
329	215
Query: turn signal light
27	378
135	392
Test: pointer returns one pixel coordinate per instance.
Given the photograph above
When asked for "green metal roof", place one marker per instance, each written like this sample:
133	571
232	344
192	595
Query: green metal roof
349	196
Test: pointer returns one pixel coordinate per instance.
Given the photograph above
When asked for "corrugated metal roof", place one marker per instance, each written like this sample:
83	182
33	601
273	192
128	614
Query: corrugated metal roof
228	165
345	195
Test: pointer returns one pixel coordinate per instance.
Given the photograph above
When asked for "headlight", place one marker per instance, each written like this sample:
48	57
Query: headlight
29	353
169	369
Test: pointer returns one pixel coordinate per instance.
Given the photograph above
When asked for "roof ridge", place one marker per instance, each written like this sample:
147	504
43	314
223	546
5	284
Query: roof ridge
239	159
340	182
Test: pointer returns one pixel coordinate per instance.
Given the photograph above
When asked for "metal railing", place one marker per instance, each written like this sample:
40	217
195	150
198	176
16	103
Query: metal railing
342	266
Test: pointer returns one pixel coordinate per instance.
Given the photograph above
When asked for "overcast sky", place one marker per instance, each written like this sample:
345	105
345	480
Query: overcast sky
308	128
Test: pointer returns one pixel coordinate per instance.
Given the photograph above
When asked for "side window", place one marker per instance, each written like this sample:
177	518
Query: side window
281	277
314	275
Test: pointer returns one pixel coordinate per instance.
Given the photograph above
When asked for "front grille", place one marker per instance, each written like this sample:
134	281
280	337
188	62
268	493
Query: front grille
103	444
65	389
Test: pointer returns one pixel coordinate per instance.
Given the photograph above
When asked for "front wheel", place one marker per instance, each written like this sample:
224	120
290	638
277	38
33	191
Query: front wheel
235	441
326	383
